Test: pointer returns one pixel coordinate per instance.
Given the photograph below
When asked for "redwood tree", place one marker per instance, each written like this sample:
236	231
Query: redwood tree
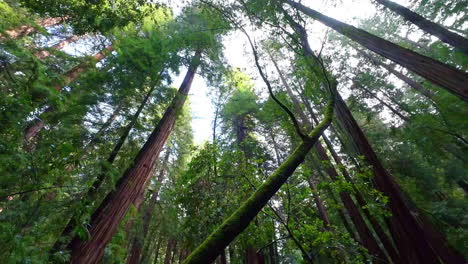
131	185
448	77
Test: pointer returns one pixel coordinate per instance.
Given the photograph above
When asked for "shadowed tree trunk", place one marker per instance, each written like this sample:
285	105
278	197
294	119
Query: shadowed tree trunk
448	77
140	239
430	27
420	241
365	234
92	193
412	233
416	86
384	238
169	248
131	185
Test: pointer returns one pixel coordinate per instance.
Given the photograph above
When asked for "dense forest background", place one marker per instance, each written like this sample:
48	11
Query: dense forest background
336	131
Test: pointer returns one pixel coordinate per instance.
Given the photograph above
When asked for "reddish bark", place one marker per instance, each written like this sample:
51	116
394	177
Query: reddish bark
364	232
26	30
107	217
92	193
139	240
428	26
411	233
416	86
38	124
453	80
62	44
72	74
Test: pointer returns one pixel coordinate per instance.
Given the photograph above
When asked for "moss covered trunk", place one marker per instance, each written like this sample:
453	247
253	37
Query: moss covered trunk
453	80
107	217
365	234
241	218
428	26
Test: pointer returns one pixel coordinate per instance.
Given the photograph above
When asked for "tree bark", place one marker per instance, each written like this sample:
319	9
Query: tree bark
107	217
62	44
430	27
365	234
448	77
92	193
413	234
169	248
416	86
38	124
139	240
26	30
240	219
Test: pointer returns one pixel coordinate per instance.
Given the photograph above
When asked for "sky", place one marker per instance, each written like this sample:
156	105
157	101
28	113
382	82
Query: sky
238	55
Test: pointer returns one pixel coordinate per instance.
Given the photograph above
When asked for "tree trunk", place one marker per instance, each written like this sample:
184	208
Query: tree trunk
38	124
147	215
62	44
448	77
393	110
156	252
416	86
386	241
26	30
107	217
169	248
240	219
92	193
365	234
413	233
430	27
319	203
73	74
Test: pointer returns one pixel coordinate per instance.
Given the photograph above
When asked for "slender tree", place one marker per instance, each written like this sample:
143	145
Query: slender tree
448	77
106	218
430	27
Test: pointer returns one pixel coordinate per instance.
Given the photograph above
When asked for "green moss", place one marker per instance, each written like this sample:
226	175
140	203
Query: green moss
240	219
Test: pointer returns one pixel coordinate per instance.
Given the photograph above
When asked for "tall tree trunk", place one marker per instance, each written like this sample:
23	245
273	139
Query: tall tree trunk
38	124
92	193
73	74
140	239
411	83
423	239
62	44
448	77
430	27
26	30
156	251
365	234
107	217
319	203
240	219
391	108
169	248
386	241
413	233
